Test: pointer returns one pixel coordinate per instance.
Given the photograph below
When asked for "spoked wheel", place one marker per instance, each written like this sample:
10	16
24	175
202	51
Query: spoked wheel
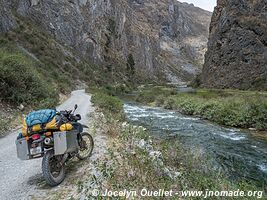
53	170
86	146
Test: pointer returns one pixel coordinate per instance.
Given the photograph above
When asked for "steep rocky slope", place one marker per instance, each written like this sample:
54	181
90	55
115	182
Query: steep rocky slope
237	48
159	40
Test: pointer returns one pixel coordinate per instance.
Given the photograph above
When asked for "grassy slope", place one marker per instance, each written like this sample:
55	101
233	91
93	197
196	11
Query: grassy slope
20	80
58	64
28	77
246	109
21	83
33	57
35	69
56	61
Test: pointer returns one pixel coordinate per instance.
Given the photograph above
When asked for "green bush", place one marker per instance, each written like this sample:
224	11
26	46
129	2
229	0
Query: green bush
208	110
160	100
229	111
244	109
21	83
107	102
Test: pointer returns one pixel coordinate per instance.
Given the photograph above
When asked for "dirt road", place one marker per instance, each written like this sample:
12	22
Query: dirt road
17	177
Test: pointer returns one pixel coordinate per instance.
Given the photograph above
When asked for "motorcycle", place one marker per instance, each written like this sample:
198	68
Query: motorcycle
57	147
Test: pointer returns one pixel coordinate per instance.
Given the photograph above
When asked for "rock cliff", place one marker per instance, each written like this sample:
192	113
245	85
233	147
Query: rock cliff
237	47
159	40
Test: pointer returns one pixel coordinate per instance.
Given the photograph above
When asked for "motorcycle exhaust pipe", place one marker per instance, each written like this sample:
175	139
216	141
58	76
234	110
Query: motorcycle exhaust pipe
48	141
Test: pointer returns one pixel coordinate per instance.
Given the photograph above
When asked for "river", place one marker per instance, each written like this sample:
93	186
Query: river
241	154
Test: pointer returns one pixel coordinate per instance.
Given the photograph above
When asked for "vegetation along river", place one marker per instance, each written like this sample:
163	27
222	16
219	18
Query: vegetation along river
237	152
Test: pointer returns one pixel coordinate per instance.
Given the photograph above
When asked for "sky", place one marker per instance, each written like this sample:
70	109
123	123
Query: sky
205	4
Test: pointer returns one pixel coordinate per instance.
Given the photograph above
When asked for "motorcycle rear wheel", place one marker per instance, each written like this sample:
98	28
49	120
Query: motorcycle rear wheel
86	146
54	173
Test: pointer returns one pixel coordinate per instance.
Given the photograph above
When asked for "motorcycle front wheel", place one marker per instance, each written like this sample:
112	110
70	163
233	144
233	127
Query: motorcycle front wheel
53	171
86	146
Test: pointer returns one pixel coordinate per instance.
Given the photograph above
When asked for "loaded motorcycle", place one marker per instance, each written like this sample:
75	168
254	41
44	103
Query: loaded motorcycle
56	144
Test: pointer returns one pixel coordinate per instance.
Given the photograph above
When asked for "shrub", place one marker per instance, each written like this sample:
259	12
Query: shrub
21	83
107	102
169	103
209	110
160	100
235	108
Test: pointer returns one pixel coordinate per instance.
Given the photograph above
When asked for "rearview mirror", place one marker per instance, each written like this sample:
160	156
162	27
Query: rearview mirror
78	117
75	107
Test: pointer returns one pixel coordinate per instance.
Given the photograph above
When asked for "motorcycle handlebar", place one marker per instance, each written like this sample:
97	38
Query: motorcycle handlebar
70	116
